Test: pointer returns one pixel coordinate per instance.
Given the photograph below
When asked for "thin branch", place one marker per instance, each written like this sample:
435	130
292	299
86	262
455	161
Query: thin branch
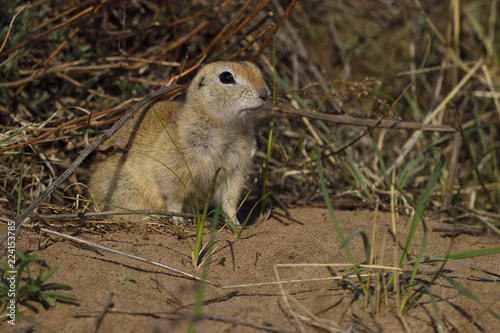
128	255
385	123
99	319
10	26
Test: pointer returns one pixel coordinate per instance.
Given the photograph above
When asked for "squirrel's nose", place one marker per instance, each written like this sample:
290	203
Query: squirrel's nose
264	93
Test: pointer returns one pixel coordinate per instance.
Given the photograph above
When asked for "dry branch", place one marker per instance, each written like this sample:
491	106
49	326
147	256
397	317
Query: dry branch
385	123
107	249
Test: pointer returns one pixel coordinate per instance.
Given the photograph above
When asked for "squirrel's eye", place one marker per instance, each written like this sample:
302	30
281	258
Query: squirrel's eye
226	78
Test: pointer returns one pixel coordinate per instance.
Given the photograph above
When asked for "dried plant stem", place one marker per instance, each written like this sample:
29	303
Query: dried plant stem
185	315
245	21
60	69
453	170
106	309
10	27
275	30
205	23
60	216
489	81
430	23
248	36
107	249
491	28
79	85
217	40
385	123
250	43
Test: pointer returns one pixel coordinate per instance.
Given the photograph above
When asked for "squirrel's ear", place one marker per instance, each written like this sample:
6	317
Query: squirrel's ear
201	82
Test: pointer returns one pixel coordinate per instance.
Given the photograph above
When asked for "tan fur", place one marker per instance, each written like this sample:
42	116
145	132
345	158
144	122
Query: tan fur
213	128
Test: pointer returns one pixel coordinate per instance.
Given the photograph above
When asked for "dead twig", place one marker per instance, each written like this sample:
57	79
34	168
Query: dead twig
99	319
275	30
250	43
10	27
187	315
107	249
384	123
84	215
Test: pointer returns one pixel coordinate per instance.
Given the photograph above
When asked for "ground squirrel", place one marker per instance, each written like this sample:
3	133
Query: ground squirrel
213	128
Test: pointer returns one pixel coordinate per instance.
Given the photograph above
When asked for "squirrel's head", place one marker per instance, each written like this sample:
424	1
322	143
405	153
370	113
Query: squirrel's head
228	90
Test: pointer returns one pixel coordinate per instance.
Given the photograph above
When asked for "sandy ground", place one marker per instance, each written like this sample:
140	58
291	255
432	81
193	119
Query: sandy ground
147	298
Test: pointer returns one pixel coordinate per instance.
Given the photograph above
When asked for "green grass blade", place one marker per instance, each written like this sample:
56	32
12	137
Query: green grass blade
477	27
15	133
366	242
409	169
330	207
439	321
334	218
334	83
420	255
436	275
419	209
350	165
433	179
201	289
464	291
200	223
250	213
460	255
381	162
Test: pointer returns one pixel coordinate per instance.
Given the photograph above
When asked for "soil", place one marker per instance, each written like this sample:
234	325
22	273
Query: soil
147	298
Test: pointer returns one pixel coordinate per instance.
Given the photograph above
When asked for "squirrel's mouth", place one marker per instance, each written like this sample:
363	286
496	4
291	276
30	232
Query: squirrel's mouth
250	111
245	112
258	105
